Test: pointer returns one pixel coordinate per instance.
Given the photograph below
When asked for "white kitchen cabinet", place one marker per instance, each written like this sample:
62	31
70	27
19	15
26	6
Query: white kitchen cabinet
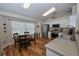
50	53
0	49
49	34
72	20
61	47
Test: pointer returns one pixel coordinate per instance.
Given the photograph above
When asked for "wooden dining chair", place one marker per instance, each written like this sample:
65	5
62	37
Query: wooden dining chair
26	33
24	42
16	38
33	38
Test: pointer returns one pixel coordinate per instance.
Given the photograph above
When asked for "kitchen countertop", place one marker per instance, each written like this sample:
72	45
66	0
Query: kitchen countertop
63	46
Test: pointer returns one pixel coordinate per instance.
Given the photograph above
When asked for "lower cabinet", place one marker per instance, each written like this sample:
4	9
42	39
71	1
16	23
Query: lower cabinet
0	48
50	53
0	52
49	34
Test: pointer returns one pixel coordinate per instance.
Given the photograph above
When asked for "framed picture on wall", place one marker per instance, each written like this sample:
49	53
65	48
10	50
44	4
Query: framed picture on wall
4	31
4	27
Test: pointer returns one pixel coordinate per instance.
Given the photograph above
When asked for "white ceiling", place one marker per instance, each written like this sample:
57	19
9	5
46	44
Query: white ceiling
37	9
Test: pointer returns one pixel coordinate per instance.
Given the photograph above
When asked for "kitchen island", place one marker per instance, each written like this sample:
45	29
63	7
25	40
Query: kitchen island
61	47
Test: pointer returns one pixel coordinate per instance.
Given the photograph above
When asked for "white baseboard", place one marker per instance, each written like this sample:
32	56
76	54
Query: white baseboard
1	50
10	43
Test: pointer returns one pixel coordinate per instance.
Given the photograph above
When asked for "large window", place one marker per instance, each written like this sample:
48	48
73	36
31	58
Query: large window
21	27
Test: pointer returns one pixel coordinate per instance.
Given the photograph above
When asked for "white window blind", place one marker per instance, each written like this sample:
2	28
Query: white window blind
21	27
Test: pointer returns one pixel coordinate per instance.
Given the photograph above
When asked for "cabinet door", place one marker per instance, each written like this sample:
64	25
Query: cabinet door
50	53
49	34
72	20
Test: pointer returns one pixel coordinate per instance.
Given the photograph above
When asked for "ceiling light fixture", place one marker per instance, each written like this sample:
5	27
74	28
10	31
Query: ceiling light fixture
27	4
49	11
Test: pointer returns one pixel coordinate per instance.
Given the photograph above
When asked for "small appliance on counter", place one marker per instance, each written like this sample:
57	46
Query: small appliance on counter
71	32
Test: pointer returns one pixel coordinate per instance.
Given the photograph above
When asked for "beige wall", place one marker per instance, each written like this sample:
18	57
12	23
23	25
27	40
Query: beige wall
39	29
6	38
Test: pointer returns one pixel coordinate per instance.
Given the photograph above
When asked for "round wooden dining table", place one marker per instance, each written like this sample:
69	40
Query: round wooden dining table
24	40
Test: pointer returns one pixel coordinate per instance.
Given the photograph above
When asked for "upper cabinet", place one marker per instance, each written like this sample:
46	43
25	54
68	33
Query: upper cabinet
72	20
74	10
